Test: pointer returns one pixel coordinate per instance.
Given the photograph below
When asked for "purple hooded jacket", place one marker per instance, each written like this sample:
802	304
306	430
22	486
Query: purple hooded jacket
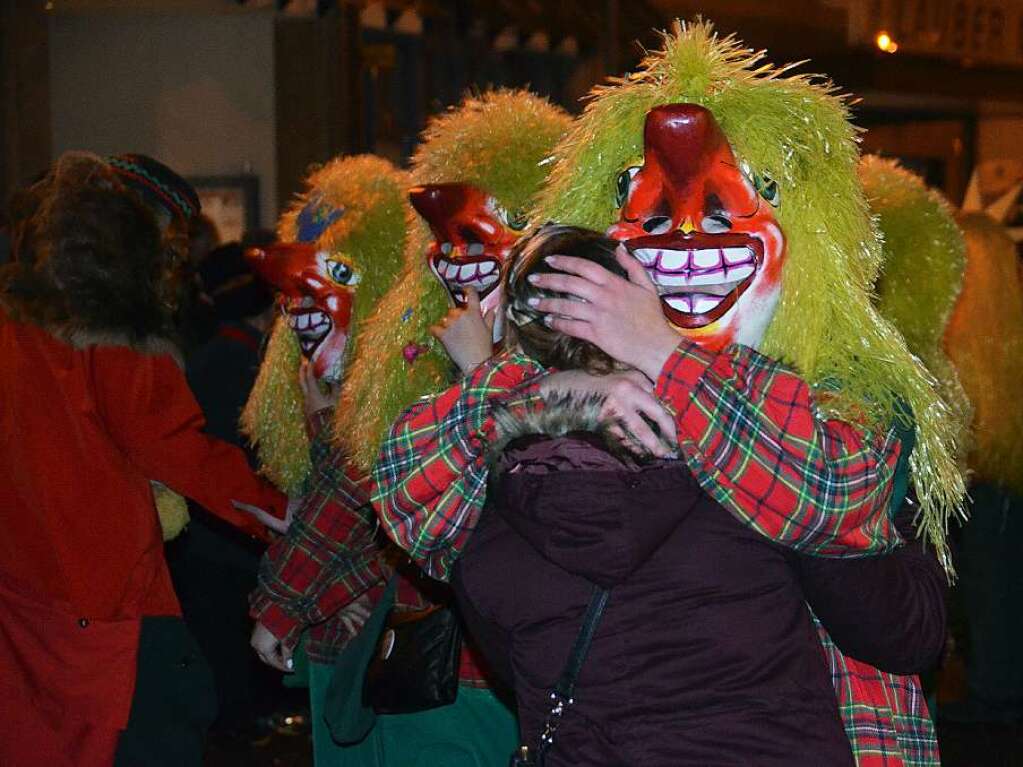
706	653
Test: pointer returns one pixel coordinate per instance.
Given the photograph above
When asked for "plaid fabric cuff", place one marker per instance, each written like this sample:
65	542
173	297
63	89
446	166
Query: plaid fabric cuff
275	618
680	374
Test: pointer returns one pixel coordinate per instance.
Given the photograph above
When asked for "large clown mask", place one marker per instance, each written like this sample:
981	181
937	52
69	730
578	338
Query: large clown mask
704	229
316	293
472	238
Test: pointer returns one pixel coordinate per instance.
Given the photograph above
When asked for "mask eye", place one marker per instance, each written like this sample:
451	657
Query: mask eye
769	190
716	224
516	221
623	185
342	273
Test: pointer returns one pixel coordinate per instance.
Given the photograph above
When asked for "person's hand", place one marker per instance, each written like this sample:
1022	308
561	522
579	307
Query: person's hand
316	394
466	334
270	650
355	615
265	517
629	402
621	316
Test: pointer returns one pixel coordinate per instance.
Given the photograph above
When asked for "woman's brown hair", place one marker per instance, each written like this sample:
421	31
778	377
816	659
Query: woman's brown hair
89	255
544	344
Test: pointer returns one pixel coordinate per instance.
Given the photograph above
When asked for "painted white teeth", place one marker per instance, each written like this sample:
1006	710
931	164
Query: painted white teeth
646	256
451	272
741	272
467	272
705	259
487	267
673	260
703	303
303	321
476	249
679	303
737	255
671	280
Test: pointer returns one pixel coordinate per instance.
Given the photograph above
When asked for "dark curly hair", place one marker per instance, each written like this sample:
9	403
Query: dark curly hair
544	344
88	255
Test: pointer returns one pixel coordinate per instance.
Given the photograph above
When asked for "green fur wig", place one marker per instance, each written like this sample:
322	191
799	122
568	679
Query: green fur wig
498	142
797	131
372	233
922	273
984	339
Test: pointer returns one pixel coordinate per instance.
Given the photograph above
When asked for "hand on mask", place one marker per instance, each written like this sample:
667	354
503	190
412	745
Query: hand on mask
317	395
621	316
466	334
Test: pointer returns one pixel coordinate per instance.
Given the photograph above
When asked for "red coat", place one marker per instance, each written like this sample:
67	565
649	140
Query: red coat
82	431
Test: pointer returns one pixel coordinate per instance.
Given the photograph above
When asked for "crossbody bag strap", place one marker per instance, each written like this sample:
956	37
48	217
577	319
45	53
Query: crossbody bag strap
562	696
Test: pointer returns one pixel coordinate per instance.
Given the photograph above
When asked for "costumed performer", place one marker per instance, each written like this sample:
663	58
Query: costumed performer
984	340
735	188
96	657
921	273
341	247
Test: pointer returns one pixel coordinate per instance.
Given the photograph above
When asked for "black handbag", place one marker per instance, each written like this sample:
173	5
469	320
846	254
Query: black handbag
416	662
563	694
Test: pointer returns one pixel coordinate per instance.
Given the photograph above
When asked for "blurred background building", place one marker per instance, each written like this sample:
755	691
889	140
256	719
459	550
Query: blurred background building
242	95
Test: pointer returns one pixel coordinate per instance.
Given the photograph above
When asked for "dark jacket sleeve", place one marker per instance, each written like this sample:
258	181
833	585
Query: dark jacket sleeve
888	610
597	522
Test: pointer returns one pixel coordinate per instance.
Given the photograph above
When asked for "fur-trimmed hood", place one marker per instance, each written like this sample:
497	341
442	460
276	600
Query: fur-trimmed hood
562	415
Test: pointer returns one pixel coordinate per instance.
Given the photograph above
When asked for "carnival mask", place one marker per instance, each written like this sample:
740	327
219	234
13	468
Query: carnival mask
703	227
316	293
473	236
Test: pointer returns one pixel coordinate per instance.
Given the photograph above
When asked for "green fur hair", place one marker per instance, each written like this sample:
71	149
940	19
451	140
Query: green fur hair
797	130
922	273
498	141
372	235
985	342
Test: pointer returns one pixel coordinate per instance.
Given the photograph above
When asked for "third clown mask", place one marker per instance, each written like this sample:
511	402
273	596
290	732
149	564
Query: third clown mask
703	227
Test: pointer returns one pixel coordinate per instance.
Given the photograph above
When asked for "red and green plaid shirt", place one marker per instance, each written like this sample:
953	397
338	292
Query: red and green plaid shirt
332	558
329	557
750	431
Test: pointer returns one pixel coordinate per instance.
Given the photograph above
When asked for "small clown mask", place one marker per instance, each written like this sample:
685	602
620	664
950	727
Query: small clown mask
316	293
703	228
473	236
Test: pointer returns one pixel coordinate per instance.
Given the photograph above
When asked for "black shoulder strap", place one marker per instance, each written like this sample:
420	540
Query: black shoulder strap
564	690
570	674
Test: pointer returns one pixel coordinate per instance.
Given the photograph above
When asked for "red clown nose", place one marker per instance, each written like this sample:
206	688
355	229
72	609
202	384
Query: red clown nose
471	242
456	213
686	142
283	265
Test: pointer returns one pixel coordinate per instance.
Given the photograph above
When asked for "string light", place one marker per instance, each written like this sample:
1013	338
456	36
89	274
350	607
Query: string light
885	42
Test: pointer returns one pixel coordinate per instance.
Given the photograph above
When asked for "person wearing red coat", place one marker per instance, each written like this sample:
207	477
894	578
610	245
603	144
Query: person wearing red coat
97	663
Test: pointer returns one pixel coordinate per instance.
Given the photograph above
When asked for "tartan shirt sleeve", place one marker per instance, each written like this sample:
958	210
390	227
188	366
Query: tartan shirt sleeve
750	431
429	482
327	558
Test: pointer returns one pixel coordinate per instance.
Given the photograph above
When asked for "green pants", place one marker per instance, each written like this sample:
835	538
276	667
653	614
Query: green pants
477	730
